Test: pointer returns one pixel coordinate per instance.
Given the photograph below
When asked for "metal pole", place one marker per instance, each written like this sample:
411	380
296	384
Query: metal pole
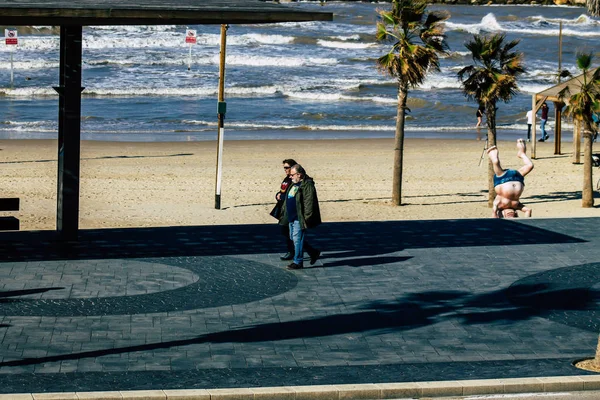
559	51
221	116
11	71
533	122
190	58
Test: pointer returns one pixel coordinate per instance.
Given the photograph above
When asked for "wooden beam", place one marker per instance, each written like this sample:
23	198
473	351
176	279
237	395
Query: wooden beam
151	12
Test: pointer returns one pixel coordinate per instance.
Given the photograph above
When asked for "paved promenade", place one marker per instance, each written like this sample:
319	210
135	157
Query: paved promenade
214	307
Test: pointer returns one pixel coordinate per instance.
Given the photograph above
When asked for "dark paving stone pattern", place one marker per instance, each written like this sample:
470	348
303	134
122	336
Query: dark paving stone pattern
274	377
213	306
222	281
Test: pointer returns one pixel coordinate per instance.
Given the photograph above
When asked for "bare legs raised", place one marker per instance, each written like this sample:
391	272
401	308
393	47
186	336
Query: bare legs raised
509	184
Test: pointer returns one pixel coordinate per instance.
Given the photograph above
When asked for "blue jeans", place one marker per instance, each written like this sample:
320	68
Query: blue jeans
297	236
543	127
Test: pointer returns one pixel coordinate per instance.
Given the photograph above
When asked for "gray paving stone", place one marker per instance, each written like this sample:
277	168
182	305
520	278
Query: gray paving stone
388	302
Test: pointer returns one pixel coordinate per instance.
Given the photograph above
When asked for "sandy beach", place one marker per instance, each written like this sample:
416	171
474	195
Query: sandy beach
164	184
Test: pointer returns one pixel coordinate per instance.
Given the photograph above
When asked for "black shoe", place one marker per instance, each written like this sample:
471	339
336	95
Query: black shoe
287	257
542	140
315	256
295	266
546	137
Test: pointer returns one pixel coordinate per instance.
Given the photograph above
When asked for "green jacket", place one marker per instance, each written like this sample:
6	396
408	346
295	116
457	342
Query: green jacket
307	205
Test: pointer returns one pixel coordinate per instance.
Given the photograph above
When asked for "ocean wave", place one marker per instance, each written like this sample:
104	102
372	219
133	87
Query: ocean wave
344	45
261	61
319	96
145	91
390	127
581	20
28	92
29	65
489	23
160	39
37	126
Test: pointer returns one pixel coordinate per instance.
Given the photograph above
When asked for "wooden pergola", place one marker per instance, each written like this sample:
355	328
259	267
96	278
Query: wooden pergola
72	15
551	94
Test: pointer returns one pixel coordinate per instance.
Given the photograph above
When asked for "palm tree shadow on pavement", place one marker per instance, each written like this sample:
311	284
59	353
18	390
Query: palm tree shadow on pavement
517	303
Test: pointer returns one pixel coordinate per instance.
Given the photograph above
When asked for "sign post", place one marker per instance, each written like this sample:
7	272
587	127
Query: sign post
221	110
11	39
190	38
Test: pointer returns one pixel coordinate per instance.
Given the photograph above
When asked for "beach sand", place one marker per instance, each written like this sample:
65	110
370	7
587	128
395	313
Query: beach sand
166	184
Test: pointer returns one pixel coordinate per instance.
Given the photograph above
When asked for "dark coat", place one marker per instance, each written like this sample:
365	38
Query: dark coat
307	204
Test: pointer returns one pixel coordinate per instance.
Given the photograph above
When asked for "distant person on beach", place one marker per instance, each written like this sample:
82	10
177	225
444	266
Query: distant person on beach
544	119
301	212
479	115
529	116
509	183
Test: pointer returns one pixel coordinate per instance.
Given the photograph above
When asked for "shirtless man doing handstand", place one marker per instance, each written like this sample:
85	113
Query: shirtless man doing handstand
509	184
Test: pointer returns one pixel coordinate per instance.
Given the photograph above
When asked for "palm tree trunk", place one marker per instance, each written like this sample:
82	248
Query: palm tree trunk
490	113
587	194
593	7
399	145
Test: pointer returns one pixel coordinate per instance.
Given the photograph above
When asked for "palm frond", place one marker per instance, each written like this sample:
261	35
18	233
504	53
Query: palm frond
493	75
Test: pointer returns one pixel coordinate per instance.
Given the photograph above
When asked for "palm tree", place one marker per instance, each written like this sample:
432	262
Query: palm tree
492	78
418	40
581	105
593	7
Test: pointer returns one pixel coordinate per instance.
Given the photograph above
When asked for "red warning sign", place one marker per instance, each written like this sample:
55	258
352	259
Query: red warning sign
190	36
10	37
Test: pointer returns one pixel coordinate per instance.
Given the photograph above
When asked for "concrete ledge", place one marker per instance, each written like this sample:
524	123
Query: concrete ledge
187	394
554	384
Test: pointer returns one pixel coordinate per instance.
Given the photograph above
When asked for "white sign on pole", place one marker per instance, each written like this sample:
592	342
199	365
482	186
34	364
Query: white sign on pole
10	37
190	36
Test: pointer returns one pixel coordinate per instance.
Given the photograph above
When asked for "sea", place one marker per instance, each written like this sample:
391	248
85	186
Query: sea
309	80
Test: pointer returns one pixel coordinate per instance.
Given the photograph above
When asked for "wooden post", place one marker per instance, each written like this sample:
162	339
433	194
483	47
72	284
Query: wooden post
221	116
557	127
69	132
576	141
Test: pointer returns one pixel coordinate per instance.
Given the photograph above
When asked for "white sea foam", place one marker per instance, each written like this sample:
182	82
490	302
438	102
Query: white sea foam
344	45
34	43
38	126
29	65
28	92
351	37
489	23
319	96
268	39
261	61
391	127
582	20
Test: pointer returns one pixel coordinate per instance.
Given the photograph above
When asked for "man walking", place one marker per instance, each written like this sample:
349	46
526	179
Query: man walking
544	119
301	212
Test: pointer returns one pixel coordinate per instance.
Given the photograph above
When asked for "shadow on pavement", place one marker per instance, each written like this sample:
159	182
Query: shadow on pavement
361	238
408	312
